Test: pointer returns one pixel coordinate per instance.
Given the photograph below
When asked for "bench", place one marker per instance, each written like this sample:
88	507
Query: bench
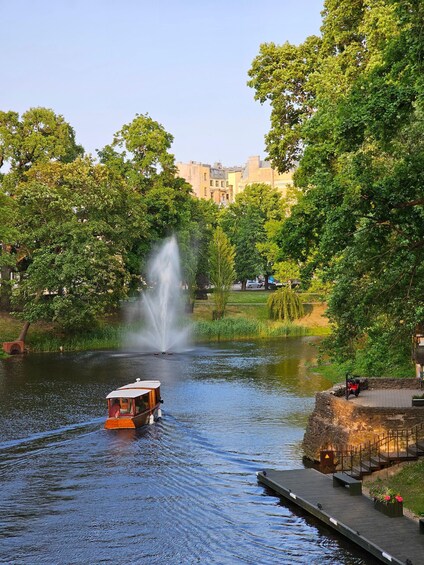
343	480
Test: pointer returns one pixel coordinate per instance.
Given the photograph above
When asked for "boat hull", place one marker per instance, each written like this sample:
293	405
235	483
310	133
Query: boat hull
132	422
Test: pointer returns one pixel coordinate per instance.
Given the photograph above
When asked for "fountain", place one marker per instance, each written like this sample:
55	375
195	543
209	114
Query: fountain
162	306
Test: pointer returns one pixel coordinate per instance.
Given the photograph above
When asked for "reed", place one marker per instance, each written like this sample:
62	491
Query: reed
242	328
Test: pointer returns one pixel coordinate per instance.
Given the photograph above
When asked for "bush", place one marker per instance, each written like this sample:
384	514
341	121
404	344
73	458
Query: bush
285	304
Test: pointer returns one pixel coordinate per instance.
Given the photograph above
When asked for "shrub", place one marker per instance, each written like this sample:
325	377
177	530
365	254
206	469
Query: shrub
285	304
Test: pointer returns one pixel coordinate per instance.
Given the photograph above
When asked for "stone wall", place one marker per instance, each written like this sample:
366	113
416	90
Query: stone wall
338	424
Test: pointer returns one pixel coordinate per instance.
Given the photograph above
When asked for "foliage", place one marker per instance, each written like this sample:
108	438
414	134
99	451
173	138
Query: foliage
409	481
75	221
285	304
246	222
38	137
140	152
140	156
349	107
194	239
383	493
221	269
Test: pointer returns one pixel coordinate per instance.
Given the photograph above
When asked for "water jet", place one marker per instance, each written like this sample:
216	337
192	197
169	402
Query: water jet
161	306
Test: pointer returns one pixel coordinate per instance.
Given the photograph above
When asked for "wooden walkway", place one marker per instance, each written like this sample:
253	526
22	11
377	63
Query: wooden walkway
391	540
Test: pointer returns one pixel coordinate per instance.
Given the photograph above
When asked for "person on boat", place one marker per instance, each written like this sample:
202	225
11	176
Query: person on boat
115	410
140	405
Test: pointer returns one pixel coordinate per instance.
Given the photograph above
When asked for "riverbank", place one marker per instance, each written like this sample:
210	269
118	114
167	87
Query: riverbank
246	318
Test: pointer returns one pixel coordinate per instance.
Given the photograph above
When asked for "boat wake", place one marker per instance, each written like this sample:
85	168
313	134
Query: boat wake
20	449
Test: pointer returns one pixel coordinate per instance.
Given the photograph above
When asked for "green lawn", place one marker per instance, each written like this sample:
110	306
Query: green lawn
409	484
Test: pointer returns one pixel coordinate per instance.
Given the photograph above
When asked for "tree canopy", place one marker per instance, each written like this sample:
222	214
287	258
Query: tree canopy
354	122
76	233
245	223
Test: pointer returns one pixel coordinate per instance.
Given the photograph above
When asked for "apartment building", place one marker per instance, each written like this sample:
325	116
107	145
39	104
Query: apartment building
222	184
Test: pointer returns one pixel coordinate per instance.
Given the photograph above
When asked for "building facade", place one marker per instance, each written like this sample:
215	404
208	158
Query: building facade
222	184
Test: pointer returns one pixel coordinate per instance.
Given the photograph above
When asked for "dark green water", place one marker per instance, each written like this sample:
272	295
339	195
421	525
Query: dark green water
183	490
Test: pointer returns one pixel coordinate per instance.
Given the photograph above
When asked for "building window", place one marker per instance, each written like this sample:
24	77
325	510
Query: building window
216	183
206	191
204	176
222	184
211	182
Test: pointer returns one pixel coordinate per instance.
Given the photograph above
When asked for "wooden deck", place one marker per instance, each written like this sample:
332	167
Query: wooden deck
391	540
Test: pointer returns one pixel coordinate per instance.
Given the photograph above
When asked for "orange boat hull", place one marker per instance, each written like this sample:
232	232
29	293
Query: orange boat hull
130	422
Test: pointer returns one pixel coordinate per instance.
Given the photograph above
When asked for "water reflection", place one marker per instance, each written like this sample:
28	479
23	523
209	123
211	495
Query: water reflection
181	491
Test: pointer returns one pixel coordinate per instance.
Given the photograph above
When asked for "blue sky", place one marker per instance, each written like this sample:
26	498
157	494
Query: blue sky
185	63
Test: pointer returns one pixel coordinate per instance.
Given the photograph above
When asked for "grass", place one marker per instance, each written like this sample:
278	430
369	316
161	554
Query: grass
241	328
408	483
246	317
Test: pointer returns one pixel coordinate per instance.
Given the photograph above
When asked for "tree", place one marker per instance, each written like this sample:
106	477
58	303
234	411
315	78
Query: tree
39	136
140	156
245	222
285	304
76	221
361	157
194	242
221	269
140	152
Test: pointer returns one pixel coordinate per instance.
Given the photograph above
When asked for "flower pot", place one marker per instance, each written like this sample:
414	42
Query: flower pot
418	402
391	509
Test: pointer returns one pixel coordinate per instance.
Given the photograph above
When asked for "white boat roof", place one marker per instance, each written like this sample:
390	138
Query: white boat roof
142	384
128	393
133	390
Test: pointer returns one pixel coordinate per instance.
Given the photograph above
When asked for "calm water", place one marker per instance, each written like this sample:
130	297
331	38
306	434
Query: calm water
181	491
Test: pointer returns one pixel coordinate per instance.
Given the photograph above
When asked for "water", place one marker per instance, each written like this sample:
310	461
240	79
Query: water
161	307
181	491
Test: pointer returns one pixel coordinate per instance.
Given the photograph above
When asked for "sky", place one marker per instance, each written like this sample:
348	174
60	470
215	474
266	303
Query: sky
98	63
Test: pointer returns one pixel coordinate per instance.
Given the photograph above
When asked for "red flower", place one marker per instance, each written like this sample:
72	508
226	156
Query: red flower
399	498
387	497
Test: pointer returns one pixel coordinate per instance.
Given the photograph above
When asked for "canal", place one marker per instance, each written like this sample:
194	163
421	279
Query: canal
183	490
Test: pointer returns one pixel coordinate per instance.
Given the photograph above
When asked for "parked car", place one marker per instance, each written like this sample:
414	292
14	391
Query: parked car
254	284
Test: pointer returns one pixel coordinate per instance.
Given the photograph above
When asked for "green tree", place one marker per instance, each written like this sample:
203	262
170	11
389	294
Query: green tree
361	155
39	136
76	221
194	242
285	304
140	156
245	222
221	269
140	152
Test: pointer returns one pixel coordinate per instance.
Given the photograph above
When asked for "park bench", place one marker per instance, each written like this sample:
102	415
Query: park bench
344	480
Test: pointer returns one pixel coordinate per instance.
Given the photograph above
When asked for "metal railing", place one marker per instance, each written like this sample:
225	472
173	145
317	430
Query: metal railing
386	449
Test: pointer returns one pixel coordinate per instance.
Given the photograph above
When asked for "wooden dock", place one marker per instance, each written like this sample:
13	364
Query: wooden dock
391	540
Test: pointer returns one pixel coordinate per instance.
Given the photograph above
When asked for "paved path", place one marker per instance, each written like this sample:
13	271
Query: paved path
385	398
391	540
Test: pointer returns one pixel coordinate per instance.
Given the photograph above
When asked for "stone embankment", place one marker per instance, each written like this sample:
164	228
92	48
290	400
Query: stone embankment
337	423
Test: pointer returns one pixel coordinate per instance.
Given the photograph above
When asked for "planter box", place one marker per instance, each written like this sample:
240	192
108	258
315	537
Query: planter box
418	402
391	509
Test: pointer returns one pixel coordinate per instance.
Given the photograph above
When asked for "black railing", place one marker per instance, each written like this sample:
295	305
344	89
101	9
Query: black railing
386	449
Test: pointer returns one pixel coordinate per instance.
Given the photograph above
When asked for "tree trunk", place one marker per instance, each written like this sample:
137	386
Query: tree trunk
243	285
24	332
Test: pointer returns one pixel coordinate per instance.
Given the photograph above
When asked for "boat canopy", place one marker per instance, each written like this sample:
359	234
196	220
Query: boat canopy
142	384
133	390
128	393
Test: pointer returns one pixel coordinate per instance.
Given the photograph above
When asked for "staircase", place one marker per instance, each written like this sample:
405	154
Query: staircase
387	449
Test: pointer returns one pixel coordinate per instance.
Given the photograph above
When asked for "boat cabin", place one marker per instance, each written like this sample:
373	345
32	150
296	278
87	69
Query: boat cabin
134	405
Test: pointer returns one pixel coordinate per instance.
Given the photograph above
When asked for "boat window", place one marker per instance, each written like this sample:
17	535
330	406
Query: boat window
125	406
141	403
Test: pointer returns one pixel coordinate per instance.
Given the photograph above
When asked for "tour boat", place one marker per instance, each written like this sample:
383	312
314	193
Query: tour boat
134	405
